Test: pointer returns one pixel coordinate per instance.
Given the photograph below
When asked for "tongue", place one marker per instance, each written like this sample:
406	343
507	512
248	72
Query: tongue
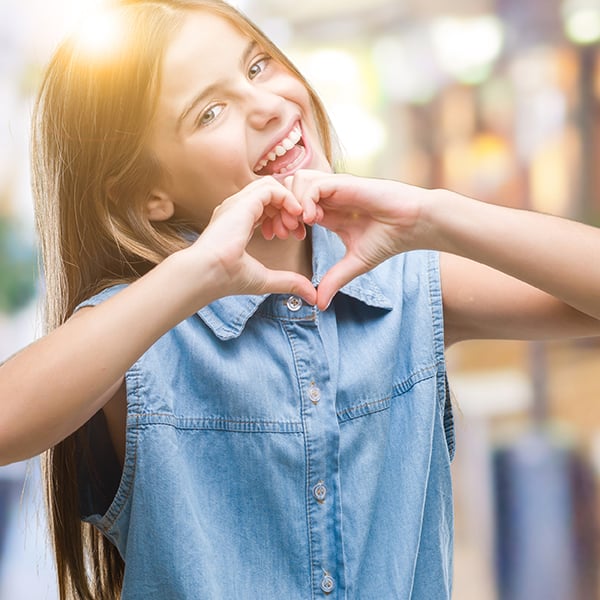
282	161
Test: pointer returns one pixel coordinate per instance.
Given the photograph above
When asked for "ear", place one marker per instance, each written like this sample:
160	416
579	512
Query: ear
159	206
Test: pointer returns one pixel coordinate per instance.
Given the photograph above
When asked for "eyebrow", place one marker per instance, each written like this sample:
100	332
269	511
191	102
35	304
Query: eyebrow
211	88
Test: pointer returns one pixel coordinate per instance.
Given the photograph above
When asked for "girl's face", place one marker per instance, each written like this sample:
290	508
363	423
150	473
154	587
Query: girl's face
227	114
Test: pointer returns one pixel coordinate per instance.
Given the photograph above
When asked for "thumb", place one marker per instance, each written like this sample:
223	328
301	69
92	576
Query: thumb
337	277
287	282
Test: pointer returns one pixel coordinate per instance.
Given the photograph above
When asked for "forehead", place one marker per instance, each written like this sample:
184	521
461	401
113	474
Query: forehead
204	39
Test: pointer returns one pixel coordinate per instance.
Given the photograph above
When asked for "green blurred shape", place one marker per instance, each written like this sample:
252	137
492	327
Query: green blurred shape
18	267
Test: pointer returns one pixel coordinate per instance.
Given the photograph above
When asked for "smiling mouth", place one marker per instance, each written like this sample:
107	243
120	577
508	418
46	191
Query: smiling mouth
285	156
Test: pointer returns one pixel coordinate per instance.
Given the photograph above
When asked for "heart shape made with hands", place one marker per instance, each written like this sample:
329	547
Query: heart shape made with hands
365	213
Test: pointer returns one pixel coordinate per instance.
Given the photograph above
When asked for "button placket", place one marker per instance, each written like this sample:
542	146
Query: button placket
321	437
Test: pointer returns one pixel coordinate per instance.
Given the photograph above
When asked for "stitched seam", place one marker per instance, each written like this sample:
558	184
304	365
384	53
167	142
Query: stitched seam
129	468
364	409
380	404
293	319
222	425
172	417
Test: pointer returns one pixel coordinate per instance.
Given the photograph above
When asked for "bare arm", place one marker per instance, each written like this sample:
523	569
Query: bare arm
505	273
56	384
482	303
559	256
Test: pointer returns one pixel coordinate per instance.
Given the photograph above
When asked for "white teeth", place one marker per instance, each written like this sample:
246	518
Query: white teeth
295	135
284	146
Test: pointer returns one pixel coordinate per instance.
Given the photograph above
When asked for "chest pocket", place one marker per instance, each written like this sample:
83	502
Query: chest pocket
243	384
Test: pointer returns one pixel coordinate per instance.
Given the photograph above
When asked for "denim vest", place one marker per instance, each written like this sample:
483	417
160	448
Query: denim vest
276	452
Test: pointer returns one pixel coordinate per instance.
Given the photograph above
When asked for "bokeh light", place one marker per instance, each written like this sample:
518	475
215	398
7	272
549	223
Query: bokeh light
467	47
582	21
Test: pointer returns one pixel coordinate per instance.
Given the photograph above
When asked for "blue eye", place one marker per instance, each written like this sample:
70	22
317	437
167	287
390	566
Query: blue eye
258	67
209	115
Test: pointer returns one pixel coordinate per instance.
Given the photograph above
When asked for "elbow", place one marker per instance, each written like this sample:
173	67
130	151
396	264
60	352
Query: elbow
13	450
8	458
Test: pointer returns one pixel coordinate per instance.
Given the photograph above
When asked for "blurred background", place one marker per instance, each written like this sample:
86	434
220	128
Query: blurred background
498	99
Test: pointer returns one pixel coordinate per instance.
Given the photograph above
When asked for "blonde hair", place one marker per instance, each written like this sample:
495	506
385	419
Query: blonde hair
92	173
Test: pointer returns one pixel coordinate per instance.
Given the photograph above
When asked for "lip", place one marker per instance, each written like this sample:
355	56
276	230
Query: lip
276	141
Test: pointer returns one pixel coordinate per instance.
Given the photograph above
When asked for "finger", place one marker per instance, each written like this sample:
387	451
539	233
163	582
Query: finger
286	282
315	185
258	205
300	232
267	229
310	211
337	277
270	211
279	229
287	201
296	228
268	194
288	182
298	186
289	221
320	213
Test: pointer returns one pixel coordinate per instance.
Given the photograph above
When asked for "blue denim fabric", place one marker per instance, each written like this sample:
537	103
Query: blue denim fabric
278	452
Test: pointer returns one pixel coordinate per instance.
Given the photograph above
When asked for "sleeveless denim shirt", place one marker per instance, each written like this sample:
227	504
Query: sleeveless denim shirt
277	452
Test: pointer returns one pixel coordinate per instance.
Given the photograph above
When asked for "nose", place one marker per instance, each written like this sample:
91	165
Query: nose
264	107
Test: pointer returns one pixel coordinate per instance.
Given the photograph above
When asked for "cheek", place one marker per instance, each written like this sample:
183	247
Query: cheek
204	172
219	153
201	188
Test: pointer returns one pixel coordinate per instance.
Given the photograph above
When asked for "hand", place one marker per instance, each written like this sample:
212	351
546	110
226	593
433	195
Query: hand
375	219
263	203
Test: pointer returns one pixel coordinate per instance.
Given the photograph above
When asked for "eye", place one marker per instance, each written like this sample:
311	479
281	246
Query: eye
210	114
258	67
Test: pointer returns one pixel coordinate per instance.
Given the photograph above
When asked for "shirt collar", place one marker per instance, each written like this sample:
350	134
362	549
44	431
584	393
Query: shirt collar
227	317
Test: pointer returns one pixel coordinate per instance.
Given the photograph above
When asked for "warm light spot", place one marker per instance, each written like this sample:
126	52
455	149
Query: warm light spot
99	34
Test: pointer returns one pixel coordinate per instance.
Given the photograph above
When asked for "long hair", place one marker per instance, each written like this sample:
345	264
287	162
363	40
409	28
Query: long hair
92	173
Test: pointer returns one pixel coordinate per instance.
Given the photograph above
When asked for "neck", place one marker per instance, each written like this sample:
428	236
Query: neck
283	255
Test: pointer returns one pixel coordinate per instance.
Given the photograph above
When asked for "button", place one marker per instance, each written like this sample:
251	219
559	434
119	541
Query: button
294	303
327	583
320	492
314	393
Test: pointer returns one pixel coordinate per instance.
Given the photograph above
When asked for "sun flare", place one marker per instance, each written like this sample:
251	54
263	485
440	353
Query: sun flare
99	33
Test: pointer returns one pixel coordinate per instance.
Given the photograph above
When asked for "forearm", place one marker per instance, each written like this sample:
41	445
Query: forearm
556	255
51	388
56	384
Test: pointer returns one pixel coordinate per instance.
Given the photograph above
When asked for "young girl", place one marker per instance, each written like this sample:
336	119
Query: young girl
242	392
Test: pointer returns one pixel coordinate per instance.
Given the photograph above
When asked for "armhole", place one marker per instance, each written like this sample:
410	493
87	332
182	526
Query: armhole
437	313
449	421
98	468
